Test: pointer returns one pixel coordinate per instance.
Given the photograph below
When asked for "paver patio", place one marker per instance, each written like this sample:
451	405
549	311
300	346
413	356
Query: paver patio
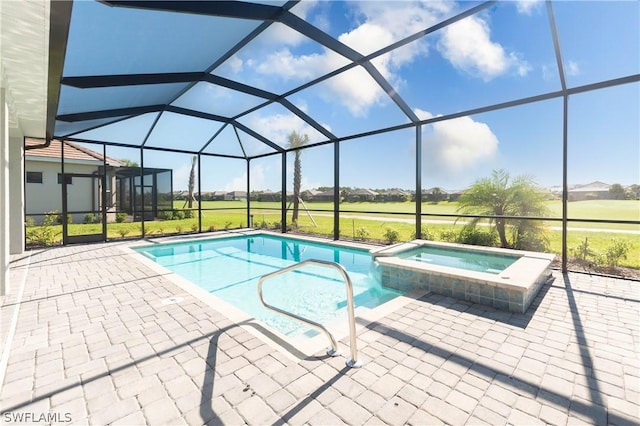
94	344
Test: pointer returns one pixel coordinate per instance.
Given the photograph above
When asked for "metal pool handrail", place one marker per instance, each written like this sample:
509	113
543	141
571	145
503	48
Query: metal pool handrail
334	351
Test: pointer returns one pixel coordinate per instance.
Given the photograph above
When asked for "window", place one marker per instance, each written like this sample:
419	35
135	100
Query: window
67	179
34	177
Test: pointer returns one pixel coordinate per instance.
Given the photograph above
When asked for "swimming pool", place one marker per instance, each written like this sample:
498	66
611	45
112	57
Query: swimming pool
230	267
480	261
501	278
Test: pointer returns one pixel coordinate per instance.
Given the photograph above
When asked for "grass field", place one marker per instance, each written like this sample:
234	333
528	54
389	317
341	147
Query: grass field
231	215
593	209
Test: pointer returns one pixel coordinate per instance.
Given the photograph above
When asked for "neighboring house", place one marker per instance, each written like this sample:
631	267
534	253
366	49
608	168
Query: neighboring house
309	194
591	191
289	195
236	195
361	194
204	195
265	195
435	194
394	195
324	196
218	195
83	169
43	179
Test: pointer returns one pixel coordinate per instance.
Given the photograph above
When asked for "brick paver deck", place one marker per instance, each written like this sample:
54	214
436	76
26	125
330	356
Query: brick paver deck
95	345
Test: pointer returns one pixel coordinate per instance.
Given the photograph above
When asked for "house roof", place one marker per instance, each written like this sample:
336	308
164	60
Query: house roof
72	151
591	187
394	191
363	191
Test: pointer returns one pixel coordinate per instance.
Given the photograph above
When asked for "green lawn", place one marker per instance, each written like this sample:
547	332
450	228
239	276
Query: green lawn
592	209
227	216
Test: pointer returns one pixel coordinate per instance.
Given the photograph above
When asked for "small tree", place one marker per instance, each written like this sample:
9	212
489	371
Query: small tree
437	195
500	196
128	163
617	192
633	192
296	141
192	182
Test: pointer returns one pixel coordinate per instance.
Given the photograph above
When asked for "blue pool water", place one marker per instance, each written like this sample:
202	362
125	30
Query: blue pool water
229	268
470	260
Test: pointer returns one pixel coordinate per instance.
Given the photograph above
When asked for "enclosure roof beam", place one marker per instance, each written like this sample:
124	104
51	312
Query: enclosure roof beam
143	79
262	12
227	9
118	112
95	81
257	136
60	22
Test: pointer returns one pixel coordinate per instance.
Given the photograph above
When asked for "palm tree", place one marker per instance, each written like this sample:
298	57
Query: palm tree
192	181
499	196
437	195
296	141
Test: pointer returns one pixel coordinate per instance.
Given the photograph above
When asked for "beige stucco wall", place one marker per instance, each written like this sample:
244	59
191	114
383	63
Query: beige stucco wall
16	195
47	196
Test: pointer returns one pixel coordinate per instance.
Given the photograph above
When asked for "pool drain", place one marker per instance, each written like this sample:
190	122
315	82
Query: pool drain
171	300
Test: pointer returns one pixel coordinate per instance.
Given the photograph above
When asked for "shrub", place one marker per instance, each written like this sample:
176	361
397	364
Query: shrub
471	236
166	215
362	234
582	252
614	253
59	218
179	229
121	217
194	227
391	236
476	237
448	236
212	227
188	214
52	217
29	221
123	231
46	233
264	224
91	218
178	214
426	235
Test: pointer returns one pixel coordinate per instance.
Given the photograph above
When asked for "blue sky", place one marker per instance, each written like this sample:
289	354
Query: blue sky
501	54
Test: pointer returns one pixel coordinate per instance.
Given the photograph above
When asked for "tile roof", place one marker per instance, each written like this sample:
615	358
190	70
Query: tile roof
71	151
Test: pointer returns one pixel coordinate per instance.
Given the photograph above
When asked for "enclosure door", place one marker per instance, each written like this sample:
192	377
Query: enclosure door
83	201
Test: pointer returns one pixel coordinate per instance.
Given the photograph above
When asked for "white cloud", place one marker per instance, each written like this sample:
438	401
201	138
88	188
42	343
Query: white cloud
454	146
302	8
277	127
400	19
468	46
380	25
287	66
234	64
572	68
526	7
355	90
549	72
239	183
278	33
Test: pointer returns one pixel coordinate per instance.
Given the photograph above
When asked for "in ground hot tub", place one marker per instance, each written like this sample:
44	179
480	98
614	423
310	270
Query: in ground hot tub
505	279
